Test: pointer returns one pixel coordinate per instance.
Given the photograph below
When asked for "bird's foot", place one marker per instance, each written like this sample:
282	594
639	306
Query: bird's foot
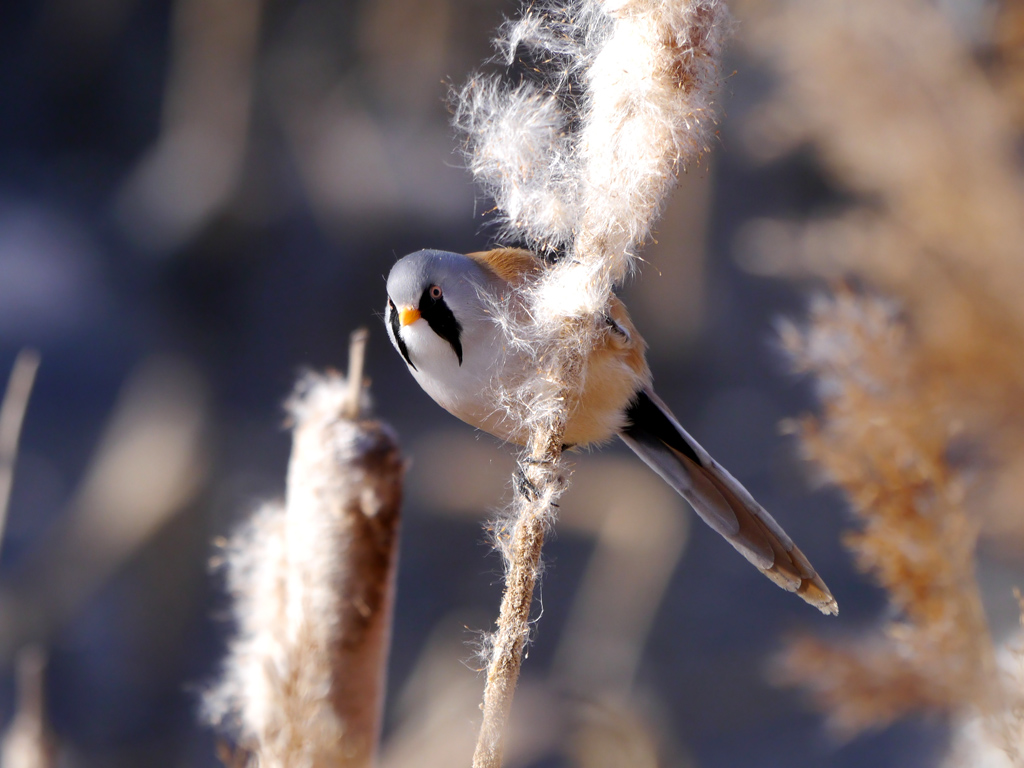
524	486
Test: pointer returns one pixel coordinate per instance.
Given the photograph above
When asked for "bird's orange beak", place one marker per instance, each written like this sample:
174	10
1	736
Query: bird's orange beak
408	315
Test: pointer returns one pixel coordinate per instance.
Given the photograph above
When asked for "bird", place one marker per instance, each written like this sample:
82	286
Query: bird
441	318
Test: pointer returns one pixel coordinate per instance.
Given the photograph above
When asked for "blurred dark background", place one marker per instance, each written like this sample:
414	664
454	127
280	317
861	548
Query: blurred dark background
200	198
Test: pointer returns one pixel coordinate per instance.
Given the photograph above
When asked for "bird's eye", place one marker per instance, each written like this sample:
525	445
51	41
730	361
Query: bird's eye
435	292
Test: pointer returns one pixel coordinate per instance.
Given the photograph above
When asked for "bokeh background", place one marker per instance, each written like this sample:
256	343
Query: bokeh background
201	198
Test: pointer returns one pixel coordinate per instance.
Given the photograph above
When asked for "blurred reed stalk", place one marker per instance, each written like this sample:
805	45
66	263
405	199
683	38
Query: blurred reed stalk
146	468
28	741
192	171
149	465
12	414
313	584
580	157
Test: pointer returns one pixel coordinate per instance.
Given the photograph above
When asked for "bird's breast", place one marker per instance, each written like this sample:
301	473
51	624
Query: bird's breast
471	390
490	389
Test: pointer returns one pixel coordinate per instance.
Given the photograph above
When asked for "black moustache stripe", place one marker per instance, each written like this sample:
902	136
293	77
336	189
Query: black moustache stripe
442	321
396	327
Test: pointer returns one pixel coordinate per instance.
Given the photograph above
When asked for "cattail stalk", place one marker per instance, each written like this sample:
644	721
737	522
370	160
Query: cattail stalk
314	582
540	485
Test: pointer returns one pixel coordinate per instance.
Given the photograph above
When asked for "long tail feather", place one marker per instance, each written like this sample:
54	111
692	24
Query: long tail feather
656	437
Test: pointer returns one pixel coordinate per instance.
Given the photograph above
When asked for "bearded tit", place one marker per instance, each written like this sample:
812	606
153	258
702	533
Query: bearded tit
441	317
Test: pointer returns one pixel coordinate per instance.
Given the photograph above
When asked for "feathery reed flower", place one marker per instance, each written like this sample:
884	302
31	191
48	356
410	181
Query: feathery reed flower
920	423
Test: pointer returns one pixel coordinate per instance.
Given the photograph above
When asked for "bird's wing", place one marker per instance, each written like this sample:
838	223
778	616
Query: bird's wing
513	265
616	367
656	437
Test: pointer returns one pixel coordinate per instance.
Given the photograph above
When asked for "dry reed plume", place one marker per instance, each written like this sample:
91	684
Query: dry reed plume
579	160
313	580
920	374
884	436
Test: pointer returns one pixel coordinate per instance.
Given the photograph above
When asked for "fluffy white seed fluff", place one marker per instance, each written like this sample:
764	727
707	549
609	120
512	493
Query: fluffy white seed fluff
582	159
639	78
521	156
649	113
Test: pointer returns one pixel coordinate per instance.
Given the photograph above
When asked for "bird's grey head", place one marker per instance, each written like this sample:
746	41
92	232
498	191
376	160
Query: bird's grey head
443	288
457	275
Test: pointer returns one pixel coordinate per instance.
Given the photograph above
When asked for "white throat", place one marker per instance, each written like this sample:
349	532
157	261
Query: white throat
467	390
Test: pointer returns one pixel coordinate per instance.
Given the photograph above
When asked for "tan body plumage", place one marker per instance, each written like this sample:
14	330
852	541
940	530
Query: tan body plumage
616	368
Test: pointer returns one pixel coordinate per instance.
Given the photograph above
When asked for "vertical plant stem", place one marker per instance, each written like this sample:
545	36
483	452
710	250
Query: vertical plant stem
28	741
513	629
537	495
12	415
356	360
